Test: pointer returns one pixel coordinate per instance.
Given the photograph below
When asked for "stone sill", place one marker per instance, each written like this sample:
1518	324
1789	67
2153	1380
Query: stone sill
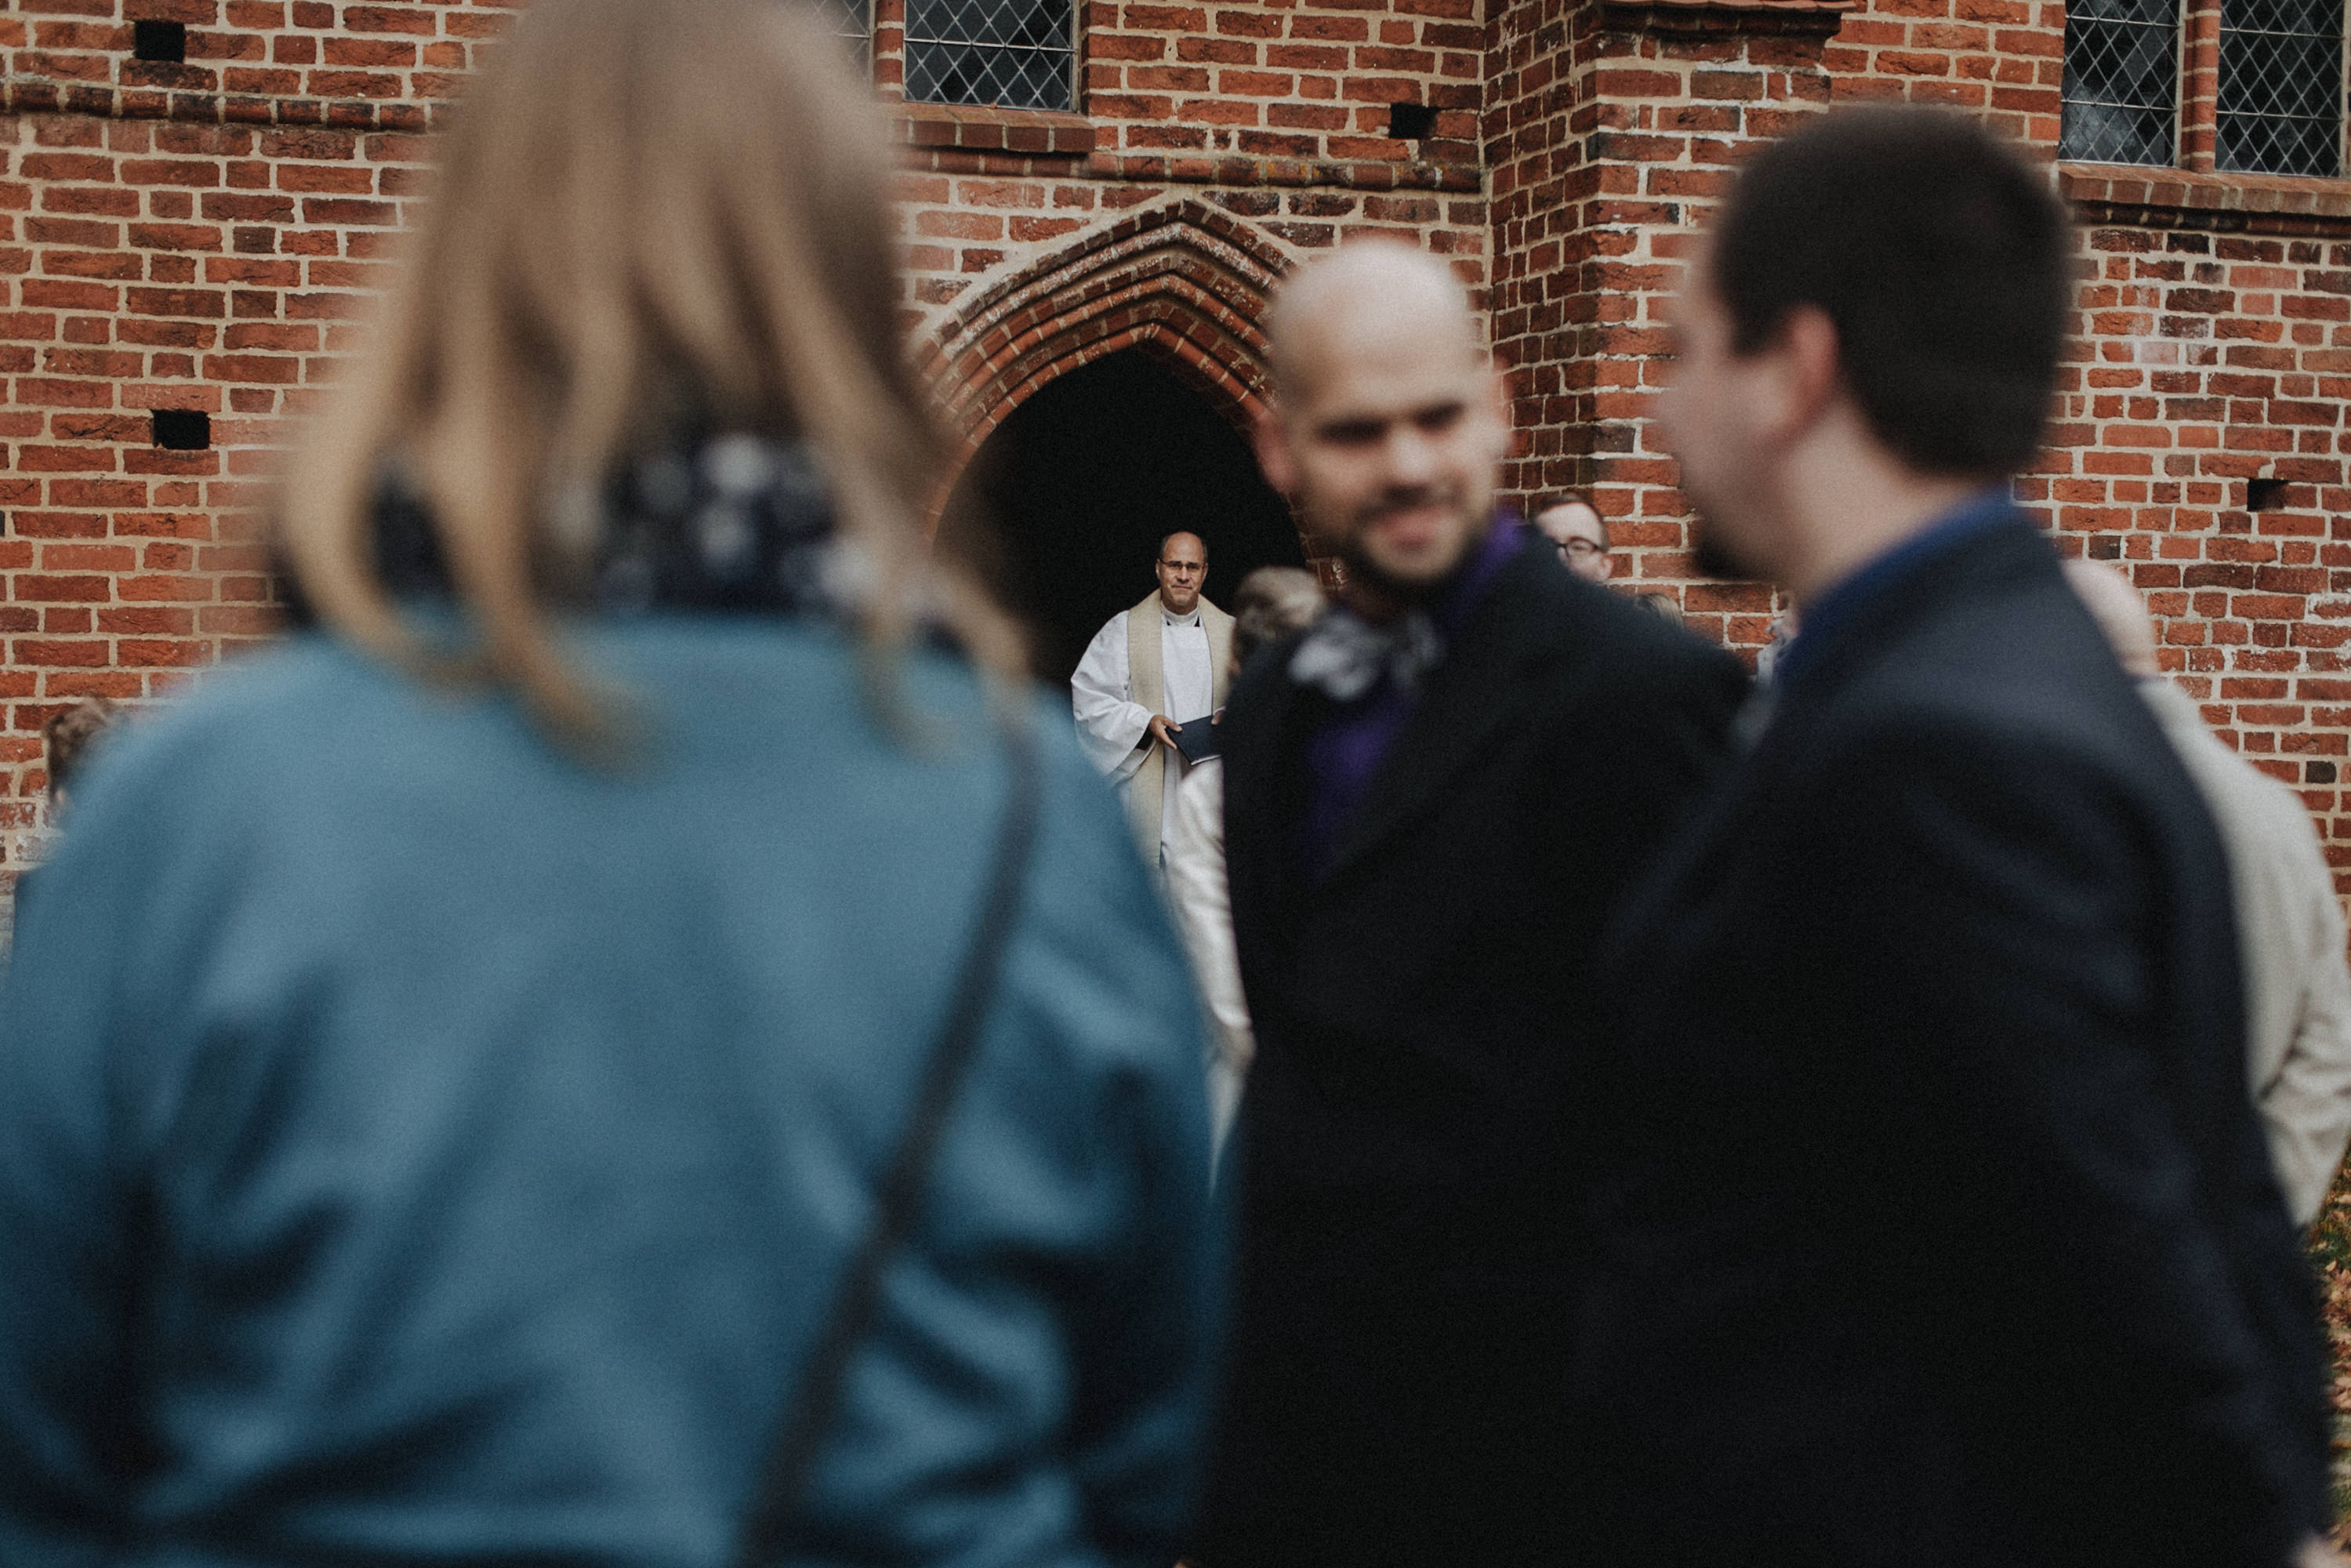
982	128
2182	192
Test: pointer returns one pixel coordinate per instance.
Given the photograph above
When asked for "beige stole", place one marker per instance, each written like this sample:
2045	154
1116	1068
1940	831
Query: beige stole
1147	683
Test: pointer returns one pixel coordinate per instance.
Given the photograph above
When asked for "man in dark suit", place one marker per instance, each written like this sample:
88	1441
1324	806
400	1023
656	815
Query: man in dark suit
1431	800
1942	1231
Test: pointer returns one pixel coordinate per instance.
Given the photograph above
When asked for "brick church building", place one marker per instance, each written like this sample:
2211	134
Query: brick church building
1097	194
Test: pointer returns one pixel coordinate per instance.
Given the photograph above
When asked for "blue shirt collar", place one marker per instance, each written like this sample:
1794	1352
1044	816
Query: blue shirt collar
1823	619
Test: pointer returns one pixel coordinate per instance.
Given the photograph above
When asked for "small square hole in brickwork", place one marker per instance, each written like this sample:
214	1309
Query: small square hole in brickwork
1411	122
184	429
2104	546
2318	773
165	43
2264	495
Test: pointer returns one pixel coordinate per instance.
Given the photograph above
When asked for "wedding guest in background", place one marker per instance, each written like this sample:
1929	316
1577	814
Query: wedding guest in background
1663	606
1574	525
2289	925
1272	603
68	738
1785	628
1148	672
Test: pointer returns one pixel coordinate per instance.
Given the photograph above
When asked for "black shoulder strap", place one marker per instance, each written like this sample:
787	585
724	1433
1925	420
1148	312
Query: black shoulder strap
767	1527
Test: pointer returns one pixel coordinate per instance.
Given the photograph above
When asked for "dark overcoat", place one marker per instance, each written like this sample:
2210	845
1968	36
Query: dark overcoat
1412	1136
1944	1232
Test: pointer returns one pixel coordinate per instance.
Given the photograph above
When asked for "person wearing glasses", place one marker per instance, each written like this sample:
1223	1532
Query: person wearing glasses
1152	673
1573	524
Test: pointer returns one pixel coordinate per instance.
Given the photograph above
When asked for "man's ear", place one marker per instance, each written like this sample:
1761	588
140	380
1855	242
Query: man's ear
1810	372
1270	436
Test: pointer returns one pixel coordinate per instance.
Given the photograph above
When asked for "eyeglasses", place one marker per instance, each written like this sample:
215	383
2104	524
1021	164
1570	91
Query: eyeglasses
1575	550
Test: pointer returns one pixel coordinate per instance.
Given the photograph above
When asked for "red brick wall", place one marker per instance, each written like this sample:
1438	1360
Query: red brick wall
1611	129
177	236
200	236
1273	113
2211	355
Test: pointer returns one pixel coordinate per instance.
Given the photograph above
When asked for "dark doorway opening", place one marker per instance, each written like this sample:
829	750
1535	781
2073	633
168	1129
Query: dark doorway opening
1081	482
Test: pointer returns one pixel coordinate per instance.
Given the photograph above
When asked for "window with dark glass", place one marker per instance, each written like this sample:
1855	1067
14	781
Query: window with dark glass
2122	81
1018	52
2281	103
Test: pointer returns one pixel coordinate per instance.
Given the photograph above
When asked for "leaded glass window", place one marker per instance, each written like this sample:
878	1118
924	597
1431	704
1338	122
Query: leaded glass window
2122	81
1018	52
2280	109
848	20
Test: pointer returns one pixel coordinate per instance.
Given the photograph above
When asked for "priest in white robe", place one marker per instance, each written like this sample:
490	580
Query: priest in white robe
1150	670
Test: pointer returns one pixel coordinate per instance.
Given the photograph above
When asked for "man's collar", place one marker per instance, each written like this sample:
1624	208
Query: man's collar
1170	617
1827	614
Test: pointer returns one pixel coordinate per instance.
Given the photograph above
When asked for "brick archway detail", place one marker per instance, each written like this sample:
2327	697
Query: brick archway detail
1184	283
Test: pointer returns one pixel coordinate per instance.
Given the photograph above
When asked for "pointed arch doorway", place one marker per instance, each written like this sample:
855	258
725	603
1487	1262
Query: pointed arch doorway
1083	479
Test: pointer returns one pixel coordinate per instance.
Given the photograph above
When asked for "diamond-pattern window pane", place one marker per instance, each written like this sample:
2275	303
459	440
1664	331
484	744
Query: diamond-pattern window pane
2122	81
845	18
851	21
2280	109
1018	52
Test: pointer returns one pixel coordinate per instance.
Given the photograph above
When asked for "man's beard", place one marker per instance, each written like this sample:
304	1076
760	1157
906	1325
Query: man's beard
1361	568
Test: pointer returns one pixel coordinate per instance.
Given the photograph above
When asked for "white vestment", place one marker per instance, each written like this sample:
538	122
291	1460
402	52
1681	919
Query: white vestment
1112	724
1202	898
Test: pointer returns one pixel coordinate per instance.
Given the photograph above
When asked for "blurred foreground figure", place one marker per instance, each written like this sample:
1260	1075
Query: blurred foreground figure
1944	1233
1432	798
2289	925
456	1059
1272	603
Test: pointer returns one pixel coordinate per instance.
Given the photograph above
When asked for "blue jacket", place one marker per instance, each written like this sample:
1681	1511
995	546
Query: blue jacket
415	1147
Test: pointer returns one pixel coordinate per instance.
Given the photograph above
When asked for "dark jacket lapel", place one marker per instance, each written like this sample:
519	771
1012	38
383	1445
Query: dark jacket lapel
1897	612
1471	698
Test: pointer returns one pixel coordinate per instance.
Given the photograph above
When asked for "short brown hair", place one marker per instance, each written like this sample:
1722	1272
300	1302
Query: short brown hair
1269	604
1942	256
1573	498
69	735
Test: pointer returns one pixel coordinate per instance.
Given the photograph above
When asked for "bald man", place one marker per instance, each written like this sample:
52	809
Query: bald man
1150	670
2289	925
1433	798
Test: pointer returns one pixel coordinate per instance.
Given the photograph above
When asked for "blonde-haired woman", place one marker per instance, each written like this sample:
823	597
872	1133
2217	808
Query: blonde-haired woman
616	1048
